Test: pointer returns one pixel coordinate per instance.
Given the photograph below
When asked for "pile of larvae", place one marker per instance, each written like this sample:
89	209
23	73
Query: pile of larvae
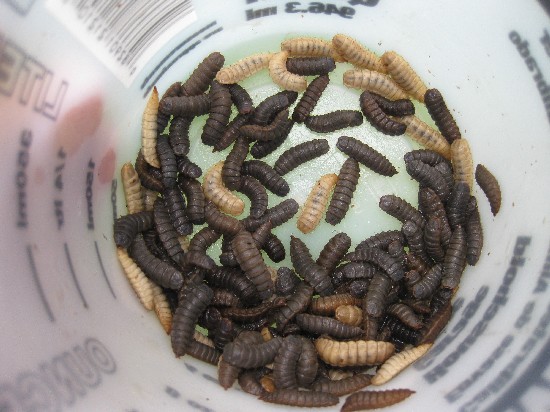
326	327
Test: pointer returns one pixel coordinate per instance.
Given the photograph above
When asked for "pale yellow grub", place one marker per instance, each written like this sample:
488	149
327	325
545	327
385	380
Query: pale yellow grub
353	52
349	314
149	197
353	353
404	75
316	202
142	285
463	165
266	334
131	186
398	362
217	193
149	129
184	243
243	68
282	77
310	47
374	82
426	135
162	309
199	337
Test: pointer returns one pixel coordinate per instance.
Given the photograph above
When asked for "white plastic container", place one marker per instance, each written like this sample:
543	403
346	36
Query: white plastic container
72	92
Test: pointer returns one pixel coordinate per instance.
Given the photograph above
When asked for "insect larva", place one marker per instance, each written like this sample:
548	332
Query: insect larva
431	206
250	356
233	279
381	240
299	154
274	248
455	259
427	156
232	132
436	323
310	66
142	286
262	149
175	204
401	210
286	281
195	199
231	169
199	337
187	168
262	233
432	239
457	206
173	90
428	176
127	227
461	158
149	129
199	81
295	397
278	215
427	285
353	352
399	107
155	246
308	364
306	267
405	314
185	106
396	251
310	98
253	313
352	271
414	236
343	386
215	191
194	300
413	262
220	110
378	118
249	381
394	330
322	325
274	131
268	383
225	332
426	136
227	373
336	120
374	302
403	74
295	304
310	47
150	177
271	106
366	155
284	365
252	263
441	115
266	175
203	239
374	82
162	309
349	314
489	185
241	99
167	160
333	251
282	77
178	135
315	204
391	266
474	233
220	222
149	197
203	352
353	52
257	194
326	305
166	231
363	400
132	188
243	68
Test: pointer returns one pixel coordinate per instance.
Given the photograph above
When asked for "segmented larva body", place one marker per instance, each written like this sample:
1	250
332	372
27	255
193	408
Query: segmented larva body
310	47
427	136
296	303
199	81
310	66
474	233
243	68
461	158
403	74
166	231
217	193
267	176
143	287
149	129
274	131
284	366
220	222
272	105
149	198
168	165
366	155
349	314
295	397
399	107
401	210
316	202
455	259
336	120
185	106
241	99
161	307
333	251
428	176
378	118
127	227
305	266
309	99
433	238
343	191
282	77
323	325
326	305
374	82
353	52
218	116
374	302
343	386
405	314
131	185
195	199
353	353
441	115
249	356
398	362
178	135
301	153
231	169
363	400
489	185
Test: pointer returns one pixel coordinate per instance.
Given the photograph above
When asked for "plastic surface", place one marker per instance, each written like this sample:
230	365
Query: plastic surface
74	336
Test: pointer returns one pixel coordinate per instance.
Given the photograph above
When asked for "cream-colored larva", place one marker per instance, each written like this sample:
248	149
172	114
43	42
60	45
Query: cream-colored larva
199	337
184	243
149	129
131	185
143	287
375	82
354	352
162	309
426	135
353	52
149	197
215	191
461	159
310	47
243	68
349	314
403	74
398	362
282	77
339	374
316	203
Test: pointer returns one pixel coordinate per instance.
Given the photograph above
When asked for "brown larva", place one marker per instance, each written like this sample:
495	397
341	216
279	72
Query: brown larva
231	132
427	285
185	106
227	373
363	400
401	210
474	233
353	52
414	236
250	356
390	265
343	386
336	120
187	168
243	68
246	315
309	99
457	205
399	362
257	194
282	77
375	301
431	207
326	305
218	117
349	314
322	325
142	286
286	281
333	251
378	118
203	352
272	105
299	154
178	135
249	381
295	304
354	352
166	231
436	323
351	271
461	158
231	169
195	199
167	159
455	259
266	175
405	314
131	185
274	248
343	191
489	185
241	99
295	397
441	115
220	222
374	82
274	131
428	176
284	365
233	279
217	193
308	364
366	155
261	149
127	227
278	214
199	81
310	66
426	136
203	239
404	75
225	299
149	129
310	47
316	202
306	267
175	204
162	309
399	107
425	156
381	240
433	239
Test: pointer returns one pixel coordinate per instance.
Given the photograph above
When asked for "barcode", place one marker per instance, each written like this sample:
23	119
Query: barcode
124	34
